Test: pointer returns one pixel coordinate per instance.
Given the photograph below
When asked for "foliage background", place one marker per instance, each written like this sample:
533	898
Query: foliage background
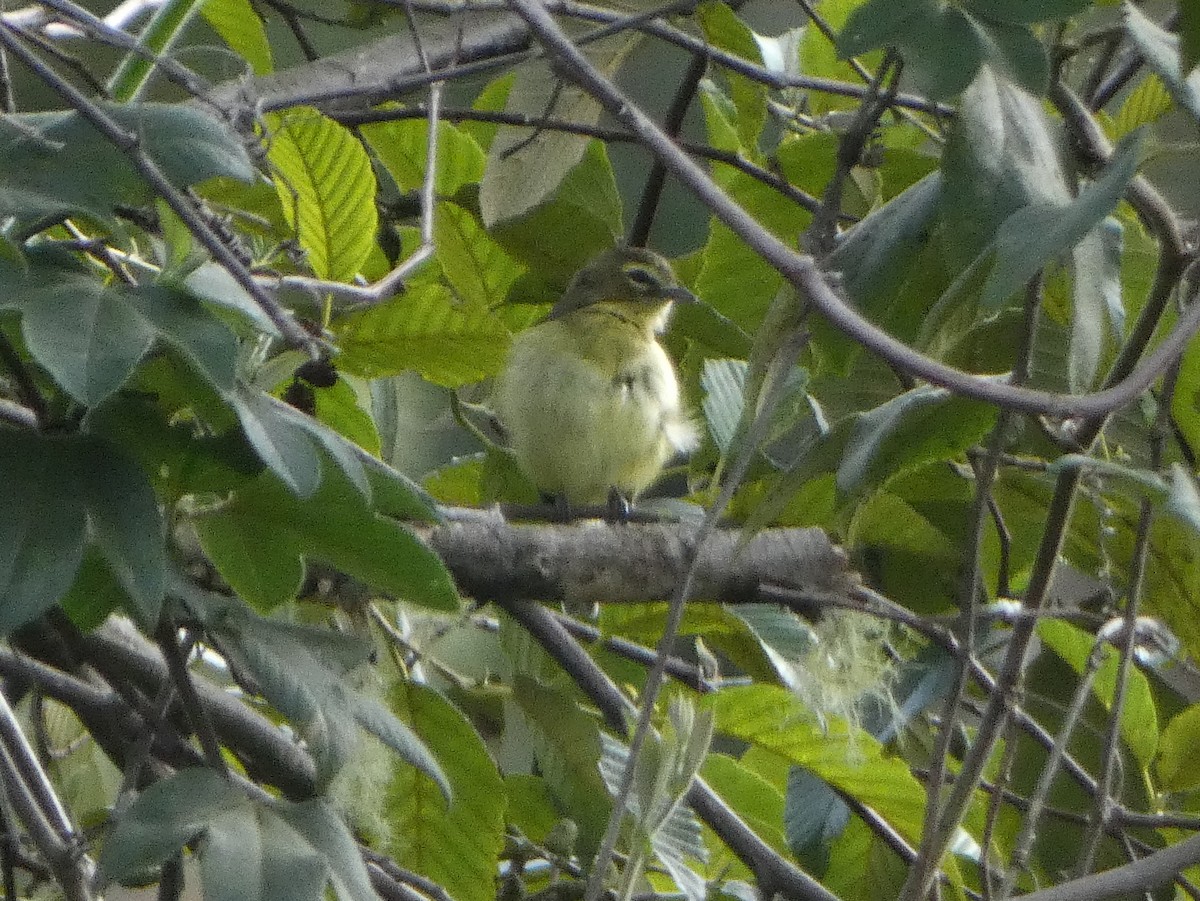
256	268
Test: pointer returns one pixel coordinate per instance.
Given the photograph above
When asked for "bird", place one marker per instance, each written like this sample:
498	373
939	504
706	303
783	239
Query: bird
588	398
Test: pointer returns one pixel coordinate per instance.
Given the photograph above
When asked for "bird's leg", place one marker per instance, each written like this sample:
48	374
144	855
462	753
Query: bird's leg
618	506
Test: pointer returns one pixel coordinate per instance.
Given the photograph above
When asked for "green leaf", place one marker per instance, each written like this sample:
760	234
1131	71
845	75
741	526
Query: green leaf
165	817
215	286
86	335
423	331
717	334
724	385
1172	572
875	255
1015	52
822	58
397	496
337	525
372	716
851	761
250	854
943	45
324	829
1145	104
1189	36
942	51
724	30
477	269
94	594
91	337
283	445
557	237
157	38
525	168
1098	310
876	24
260	565
720	118
1139	717
784	636
340	408
42	524
457	846
300	678
1185	402
327	189
1160	49
733	279
126	524
403	146
183	322
530	805
914	558
1027	11
1033	236
303	671
1178	764
919	426
566	742
1001	156
752	797
813	818
58	163
241	28
352	460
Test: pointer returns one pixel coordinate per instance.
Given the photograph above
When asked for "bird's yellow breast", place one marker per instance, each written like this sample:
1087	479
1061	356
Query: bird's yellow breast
590	402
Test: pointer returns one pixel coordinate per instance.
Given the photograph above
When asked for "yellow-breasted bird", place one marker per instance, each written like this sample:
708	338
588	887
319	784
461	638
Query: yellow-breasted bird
588	397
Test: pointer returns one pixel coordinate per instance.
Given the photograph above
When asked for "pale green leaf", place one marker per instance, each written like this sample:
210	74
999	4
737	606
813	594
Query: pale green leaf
327	189
527	167
457	846
1178	763
1146	103
241	28
423	331
851	761
724	30
478	270
1139	717
403	148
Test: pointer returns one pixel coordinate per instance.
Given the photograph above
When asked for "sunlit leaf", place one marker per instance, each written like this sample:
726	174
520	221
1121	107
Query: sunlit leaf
327	189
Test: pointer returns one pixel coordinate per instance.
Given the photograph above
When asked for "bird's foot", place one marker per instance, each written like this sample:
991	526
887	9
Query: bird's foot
618	508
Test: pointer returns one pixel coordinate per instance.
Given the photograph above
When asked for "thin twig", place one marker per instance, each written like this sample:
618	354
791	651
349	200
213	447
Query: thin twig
656	178
608	135
168	642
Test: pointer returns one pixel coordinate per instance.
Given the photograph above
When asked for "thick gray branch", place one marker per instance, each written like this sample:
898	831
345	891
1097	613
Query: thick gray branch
380	70
593	561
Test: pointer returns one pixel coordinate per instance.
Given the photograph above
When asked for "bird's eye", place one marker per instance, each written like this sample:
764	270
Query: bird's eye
642	278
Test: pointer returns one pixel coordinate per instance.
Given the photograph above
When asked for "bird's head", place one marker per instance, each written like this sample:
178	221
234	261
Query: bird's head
631	282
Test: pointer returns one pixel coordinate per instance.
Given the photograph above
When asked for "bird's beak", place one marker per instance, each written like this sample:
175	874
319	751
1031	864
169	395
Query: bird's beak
680	294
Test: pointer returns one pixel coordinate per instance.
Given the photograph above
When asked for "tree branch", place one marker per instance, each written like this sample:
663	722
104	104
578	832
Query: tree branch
591	561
